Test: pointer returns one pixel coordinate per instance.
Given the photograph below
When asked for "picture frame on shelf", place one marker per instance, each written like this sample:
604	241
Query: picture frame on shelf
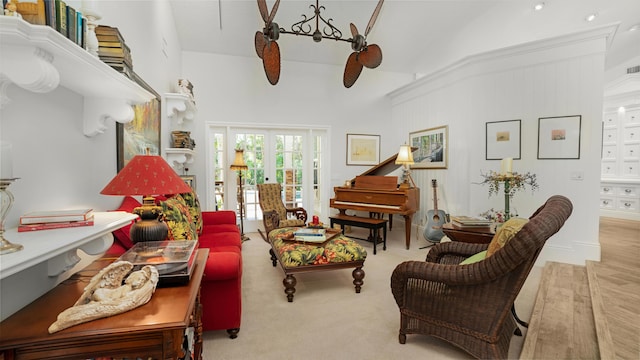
141	133
503	139
559	137
433	148
190	180
363	149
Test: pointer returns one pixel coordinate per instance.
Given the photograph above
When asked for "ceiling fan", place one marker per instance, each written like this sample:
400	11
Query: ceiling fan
363	55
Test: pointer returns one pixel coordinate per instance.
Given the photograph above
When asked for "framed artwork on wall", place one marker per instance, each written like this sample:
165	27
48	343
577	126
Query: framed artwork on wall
559	137
503	139
141	133
432	147
190	180
363	149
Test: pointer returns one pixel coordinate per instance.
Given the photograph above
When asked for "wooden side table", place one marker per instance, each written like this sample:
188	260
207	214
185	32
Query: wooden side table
482	236
155	330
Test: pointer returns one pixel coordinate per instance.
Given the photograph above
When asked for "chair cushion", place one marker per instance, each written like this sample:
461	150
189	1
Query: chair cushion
505	233
474	258
178	218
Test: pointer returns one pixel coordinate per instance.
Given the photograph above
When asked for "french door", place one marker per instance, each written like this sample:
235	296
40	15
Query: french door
292	157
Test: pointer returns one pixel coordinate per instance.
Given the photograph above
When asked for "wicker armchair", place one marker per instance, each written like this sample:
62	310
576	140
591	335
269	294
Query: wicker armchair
275	215
469	305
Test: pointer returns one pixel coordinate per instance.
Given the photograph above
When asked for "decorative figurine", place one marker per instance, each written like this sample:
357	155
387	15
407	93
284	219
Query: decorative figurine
11	9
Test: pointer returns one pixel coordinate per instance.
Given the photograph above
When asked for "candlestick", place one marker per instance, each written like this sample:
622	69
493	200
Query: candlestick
6	201
506	166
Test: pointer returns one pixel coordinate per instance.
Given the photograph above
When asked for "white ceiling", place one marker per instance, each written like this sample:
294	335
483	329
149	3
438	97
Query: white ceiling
416	36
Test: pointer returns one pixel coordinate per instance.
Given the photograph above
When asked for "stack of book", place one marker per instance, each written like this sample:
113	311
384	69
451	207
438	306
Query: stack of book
310	235
56	219
470	222
113	51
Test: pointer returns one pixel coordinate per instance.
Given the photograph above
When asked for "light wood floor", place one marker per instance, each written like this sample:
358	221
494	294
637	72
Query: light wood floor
618	275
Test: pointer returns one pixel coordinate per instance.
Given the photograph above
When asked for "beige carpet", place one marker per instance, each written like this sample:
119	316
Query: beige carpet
327	319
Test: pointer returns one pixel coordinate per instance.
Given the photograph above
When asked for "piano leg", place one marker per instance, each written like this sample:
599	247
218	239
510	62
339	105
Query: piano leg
407	229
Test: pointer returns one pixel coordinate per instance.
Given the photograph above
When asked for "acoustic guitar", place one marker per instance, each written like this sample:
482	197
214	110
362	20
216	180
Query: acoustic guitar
435	218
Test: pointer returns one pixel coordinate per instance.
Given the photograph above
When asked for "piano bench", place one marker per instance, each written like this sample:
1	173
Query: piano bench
374	225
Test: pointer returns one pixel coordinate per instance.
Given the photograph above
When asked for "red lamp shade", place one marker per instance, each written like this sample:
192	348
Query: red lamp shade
147	175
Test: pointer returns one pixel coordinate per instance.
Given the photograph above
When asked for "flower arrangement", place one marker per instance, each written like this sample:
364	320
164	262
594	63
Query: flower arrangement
497	216
514	180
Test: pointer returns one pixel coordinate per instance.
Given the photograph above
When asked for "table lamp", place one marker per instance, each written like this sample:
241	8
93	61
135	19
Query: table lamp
405	158
239	166
147	175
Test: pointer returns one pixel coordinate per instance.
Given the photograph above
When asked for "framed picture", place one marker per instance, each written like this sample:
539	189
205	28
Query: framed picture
141	133
363	149
190	180
559	137
503	139
432	147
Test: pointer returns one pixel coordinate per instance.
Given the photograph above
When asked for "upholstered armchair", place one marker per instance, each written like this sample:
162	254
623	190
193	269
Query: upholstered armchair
469	305
275	215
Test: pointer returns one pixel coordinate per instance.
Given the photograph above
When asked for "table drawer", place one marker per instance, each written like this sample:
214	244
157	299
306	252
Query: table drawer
607	203
627	191
630	205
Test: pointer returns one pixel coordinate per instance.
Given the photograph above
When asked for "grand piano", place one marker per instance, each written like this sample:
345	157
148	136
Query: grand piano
378	193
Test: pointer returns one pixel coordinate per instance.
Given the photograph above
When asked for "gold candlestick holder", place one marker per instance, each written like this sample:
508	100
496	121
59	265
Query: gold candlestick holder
6	201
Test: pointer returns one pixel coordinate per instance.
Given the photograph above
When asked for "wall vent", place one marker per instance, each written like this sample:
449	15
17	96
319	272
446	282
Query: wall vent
633	70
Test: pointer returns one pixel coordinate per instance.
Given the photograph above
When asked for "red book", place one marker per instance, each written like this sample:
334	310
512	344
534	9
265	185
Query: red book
56	225
55	216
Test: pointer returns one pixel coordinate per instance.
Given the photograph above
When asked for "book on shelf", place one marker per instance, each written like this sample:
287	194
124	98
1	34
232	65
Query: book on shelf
61	17
50	12
56	216
54	225
71	23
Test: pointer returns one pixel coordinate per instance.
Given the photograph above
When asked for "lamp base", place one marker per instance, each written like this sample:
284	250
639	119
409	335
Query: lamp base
150	227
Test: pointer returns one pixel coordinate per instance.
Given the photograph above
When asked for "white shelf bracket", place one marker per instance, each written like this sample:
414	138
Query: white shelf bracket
97	111
180	107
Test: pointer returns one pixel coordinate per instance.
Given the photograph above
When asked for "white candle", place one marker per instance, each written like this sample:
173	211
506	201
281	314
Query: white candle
6	164
506	166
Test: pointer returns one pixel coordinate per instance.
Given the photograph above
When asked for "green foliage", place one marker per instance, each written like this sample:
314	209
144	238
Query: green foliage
513	183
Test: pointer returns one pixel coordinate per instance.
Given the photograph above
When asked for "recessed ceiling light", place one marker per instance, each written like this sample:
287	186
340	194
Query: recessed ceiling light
634	27
591	17
538	6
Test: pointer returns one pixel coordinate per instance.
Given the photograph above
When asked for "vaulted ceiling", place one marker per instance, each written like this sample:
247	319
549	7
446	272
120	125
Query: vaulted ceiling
416	36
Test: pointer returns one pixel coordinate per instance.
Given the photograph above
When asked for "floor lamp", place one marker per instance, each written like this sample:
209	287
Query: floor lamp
239	166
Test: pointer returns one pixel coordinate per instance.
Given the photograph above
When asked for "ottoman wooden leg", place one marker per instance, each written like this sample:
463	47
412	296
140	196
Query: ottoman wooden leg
358	275
274	259
289	283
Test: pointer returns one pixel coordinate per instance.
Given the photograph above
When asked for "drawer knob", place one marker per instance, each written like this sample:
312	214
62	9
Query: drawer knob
605	202
606	189
627	204
627	191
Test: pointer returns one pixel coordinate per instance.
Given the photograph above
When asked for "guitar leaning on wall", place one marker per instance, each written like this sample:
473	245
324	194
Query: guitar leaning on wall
435	219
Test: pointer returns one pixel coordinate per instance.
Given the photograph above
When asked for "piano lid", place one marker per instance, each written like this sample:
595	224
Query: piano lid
385	167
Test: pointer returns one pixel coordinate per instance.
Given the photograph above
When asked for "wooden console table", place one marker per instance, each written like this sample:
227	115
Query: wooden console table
481	236
155	330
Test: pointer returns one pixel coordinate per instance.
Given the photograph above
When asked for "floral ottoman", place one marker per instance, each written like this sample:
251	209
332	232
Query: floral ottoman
339	252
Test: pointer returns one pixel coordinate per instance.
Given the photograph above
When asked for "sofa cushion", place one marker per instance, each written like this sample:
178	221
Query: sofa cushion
505	233
217	239
178	218
122	235
222	266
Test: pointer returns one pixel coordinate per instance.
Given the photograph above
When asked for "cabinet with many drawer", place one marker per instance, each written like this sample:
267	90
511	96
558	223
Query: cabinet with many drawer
620	199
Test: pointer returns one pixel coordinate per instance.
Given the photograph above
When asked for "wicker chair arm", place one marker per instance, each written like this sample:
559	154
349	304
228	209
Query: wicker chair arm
452	275
298	212
453	249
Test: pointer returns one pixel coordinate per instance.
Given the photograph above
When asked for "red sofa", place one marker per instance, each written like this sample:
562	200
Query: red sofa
221	289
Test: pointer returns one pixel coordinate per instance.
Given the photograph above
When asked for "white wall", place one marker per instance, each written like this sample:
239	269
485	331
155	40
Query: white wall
230	89
557	77
57	165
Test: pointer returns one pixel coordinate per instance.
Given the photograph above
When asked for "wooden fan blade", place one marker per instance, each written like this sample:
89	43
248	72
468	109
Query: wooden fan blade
371	56
354	30
274	9
264	12
260	43
352	70
374	16
271	61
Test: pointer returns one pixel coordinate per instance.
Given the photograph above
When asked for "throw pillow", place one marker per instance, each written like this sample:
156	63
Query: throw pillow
178	218
474	258
122	235
191	199
505	233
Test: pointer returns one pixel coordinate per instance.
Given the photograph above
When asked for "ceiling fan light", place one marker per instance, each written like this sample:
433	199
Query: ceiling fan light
539	6
635	27
591	17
